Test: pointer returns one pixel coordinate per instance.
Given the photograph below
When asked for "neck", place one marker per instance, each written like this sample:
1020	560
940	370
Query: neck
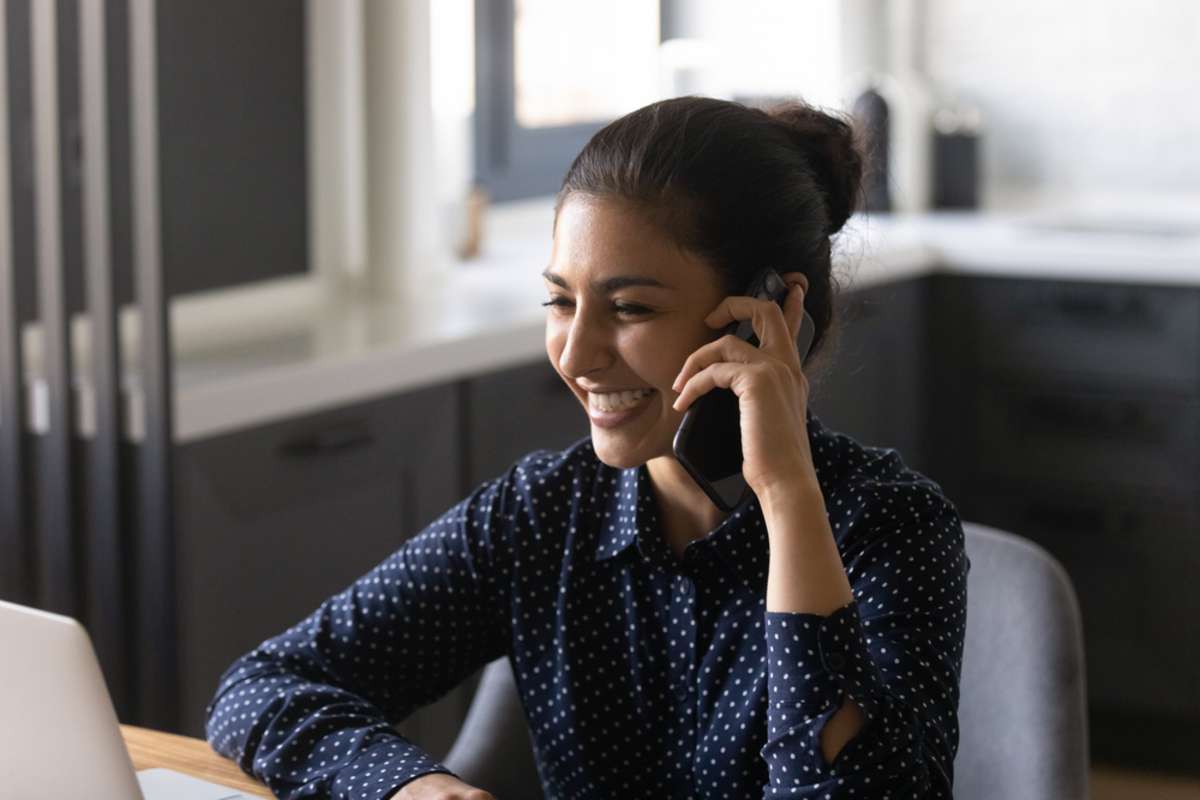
685	511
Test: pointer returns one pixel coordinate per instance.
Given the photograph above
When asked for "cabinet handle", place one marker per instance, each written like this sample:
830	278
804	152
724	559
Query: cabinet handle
1125	419
335	438
1054	517
1103	308
1051	517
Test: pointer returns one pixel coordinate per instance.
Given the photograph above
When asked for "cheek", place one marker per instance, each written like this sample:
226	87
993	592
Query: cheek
654	355
554	344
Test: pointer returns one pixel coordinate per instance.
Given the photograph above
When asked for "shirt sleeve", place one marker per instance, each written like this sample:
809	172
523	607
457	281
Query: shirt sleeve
896	650
309	711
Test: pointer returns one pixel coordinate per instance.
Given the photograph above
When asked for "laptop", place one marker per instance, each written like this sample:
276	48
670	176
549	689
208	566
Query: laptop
59	735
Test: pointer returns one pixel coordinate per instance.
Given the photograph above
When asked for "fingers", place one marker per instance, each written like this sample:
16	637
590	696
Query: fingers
727	348
775	327
794	310
721	374
440	786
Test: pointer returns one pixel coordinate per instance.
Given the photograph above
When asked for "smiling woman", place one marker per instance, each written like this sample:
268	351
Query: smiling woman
662	647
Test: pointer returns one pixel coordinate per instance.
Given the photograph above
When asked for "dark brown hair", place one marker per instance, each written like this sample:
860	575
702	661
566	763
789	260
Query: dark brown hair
741	187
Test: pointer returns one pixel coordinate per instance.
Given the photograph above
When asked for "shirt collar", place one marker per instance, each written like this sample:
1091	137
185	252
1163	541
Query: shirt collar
630	527
630	522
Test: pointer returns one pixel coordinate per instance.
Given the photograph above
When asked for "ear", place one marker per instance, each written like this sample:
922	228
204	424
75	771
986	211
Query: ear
796	277
793	311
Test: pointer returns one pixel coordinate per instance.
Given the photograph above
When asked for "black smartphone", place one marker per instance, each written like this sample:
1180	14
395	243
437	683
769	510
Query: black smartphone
709	440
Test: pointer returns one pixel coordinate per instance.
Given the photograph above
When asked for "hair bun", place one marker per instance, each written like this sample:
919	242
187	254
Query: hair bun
830	143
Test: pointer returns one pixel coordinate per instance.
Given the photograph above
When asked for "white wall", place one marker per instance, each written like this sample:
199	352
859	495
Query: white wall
1078	96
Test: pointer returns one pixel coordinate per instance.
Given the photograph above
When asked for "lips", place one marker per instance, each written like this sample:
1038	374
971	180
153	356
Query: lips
610	419
623	399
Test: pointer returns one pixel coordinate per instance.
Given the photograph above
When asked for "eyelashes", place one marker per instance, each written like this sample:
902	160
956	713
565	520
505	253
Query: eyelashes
618	307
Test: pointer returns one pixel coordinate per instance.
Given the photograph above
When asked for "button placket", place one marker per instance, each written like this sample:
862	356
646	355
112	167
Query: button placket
683	612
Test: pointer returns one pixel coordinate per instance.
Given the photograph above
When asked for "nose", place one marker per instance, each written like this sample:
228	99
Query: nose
585	348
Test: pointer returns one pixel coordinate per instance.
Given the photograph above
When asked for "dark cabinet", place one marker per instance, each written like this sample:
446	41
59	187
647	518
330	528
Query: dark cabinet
871	383
513	411
1114	336
1076	423
232	142
273	520
1123	437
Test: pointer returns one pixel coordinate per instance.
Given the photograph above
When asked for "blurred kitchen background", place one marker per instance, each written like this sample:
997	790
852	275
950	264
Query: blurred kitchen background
269	294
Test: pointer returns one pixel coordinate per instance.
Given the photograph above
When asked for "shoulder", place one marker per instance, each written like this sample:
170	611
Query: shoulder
545	471
871	492
544	482
899	535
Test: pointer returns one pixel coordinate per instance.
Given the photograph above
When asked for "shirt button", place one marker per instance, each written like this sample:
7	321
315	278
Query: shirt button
835	661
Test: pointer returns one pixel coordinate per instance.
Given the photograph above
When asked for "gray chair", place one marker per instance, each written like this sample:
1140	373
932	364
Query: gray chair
1022	712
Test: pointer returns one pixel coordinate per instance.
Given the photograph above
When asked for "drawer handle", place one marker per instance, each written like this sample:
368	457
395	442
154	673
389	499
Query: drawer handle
1117	419
1050	518
335	438
1053	518
1102	308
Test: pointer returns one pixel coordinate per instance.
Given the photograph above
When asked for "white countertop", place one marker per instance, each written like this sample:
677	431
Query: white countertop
250	356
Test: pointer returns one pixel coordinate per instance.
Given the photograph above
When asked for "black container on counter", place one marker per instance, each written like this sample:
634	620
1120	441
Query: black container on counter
957	134
871	111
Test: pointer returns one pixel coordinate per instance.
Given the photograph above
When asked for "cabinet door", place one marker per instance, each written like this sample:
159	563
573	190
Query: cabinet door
1052	433
871	386
514	411
1105	335
233	141
950	377
273	520
232	144
1078	417
1129	558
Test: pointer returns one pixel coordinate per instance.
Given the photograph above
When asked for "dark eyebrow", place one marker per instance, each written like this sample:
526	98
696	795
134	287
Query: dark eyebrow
609	285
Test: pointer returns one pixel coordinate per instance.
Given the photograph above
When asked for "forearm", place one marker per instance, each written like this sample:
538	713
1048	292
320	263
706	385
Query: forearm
303	738
806	572
899	663
806	575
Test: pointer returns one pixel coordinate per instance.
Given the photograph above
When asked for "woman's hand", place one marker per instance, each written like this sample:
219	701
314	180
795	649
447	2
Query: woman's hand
771	387
440	786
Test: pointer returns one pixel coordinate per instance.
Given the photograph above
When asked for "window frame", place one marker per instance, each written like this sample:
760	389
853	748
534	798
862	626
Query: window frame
512	162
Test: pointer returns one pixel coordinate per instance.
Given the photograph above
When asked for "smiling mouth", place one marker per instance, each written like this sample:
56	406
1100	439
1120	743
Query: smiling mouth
615	402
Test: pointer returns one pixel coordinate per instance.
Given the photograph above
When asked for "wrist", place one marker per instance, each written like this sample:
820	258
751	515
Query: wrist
785	498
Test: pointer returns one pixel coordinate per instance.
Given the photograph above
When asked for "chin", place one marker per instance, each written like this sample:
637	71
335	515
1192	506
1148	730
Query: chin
613	452
615	457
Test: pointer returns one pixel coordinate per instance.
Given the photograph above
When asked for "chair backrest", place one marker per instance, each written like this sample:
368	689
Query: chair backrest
1022	713
493	750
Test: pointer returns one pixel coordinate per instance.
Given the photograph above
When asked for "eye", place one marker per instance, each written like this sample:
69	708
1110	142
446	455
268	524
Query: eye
621	308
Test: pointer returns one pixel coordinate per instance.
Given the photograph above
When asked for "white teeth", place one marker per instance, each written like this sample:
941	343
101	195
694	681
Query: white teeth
618	401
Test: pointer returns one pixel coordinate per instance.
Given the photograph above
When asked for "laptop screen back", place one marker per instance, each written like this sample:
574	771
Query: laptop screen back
59	735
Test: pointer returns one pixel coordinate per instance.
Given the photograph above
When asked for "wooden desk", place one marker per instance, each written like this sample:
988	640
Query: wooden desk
193	757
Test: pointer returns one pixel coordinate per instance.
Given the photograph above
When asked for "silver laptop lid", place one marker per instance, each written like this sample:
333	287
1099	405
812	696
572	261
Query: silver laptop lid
59	735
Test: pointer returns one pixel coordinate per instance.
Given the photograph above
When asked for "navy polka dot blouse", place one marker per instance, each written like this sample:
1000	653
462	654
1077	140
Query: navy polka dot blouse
641	675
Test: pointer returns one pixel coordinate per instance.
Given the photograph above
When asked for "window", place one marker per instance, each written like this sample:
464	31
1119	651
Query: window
549	74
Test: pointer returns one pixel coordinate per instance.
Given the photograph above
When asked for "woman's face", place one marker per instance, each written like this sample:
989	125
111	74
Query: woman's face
633	333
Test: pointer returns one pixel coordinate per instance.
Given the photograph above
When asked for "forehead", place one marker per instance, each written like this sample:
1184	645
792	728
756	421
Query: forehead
597	239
